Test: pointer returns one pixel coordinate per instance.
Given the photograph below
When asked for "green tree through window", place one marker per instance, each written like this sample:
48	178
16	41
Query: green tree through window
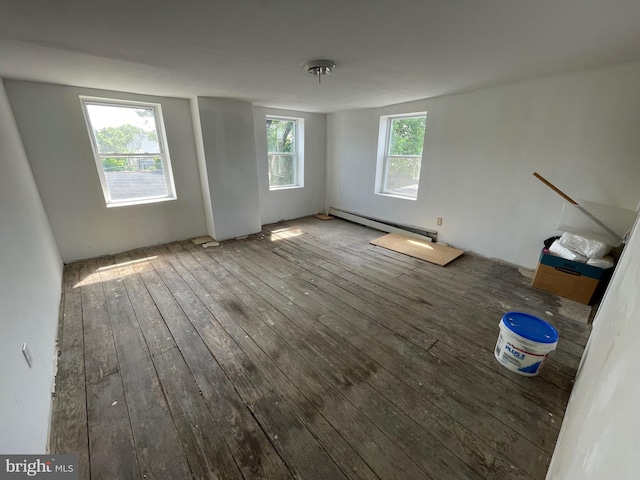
126	138
282	152
407	136
403	155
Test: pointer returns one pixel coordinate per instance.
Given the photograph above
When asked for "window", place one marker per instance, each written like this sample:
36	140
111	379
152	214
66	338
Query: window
130	150
400	154
285	152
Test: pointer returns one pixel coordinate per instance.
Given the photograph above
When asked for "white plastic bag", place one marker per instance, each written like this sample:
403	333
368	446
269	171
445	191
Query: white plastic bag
584	246
564	252
604	262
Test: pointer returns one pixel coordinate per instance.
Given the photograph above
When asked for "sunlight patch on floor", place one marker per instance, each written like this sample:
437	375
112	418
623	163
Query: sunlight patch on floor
284	233
139	263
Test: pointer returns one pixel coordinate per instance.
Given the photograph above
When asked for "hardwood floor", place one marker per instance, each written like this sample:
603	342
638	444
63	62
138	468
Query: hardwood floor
302	352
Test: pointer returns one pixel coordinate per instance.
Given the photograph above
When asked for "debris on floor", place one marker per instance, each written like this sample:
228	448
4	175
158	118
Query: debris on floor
417	248
201	240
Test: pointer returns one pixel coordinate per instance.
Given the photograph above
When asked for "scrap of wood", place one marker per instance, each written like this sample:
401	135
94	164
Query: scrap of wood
323	216
578	206
414	247
203	239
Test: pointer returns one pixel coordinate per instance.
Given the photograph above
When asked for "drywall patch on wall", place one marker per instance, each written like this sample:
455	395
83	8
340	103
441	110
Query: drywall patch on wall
30	285
55	137
291	203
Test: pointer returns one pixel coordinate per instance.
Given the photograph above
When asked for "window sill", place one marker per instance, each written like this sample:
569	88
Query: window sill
285	187
140	201
396	195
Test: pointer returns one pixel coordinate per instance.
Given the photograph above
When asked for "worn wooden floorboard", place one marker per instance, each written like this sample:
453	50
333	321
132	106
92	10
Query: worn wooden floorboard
358	367
205	447
452	307
256	367
446	312
302	352
320	393
248	444
380	310
483	273
148	410
301	451
69	411
475	355
109	426
415	443
417	375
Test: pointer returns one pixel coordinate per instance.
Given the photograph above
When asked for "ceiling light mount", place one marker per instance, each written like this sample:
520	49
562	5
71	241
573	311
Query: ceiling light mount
317	68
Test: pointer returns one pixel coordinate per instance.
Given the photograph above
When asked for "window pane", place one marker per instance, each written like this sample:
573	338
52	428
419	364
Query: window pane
403	175
119	129
282	170
281	136
137	177
406	136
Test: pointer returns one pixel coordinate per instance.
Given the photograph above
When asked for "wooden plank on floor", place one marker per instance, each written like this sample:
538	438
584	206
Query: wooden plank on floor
306	458
417	443
386	310
422	374
109	425
490	271
429	252
463	330
449	312
156	334
204	445
69	412
100	354
351	371
110	433
396	298
306	353
313	400
247	442
205	448
148	409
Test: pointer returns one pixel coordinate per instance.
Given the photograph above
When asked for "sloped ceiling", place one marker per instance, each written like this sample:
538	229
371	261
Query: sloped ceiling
386	51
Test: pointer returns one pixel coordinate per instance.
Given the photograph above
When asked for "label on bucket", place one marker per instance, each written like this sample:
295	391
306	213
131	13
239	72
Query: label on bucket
517	359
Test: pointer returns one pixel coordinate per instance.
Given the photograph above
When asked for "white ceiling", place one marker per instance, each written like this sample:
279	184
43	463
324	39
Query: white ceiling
386	51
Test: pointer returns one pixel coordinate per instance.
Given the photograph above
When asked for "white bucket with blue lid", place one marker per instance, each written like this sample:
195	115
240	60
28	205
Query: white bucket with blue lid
524	343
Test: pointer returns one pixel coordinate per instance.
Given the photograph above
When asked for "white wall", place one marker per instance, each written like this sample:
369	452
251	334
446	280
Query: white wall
53	130
285	204
202	167
579	130
599	434
229	164
30	282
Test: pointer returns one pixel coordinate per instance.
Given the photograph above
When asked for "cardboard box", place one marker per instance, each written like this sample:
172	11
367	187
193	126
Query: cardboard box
573	280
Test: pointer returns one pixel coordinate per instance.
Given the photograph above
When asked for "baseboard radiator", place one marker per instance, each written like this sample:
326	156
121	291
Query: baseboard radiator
384	225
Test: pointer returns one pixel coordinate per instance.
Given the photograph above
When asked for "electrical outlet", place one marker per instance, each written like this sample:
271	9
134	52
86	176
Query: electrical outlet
27	354
439	221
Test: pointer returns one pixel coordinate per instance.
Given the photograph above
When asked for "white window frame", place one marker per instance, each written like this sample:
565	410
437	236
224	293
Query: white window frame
384	135
298	154
162	143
